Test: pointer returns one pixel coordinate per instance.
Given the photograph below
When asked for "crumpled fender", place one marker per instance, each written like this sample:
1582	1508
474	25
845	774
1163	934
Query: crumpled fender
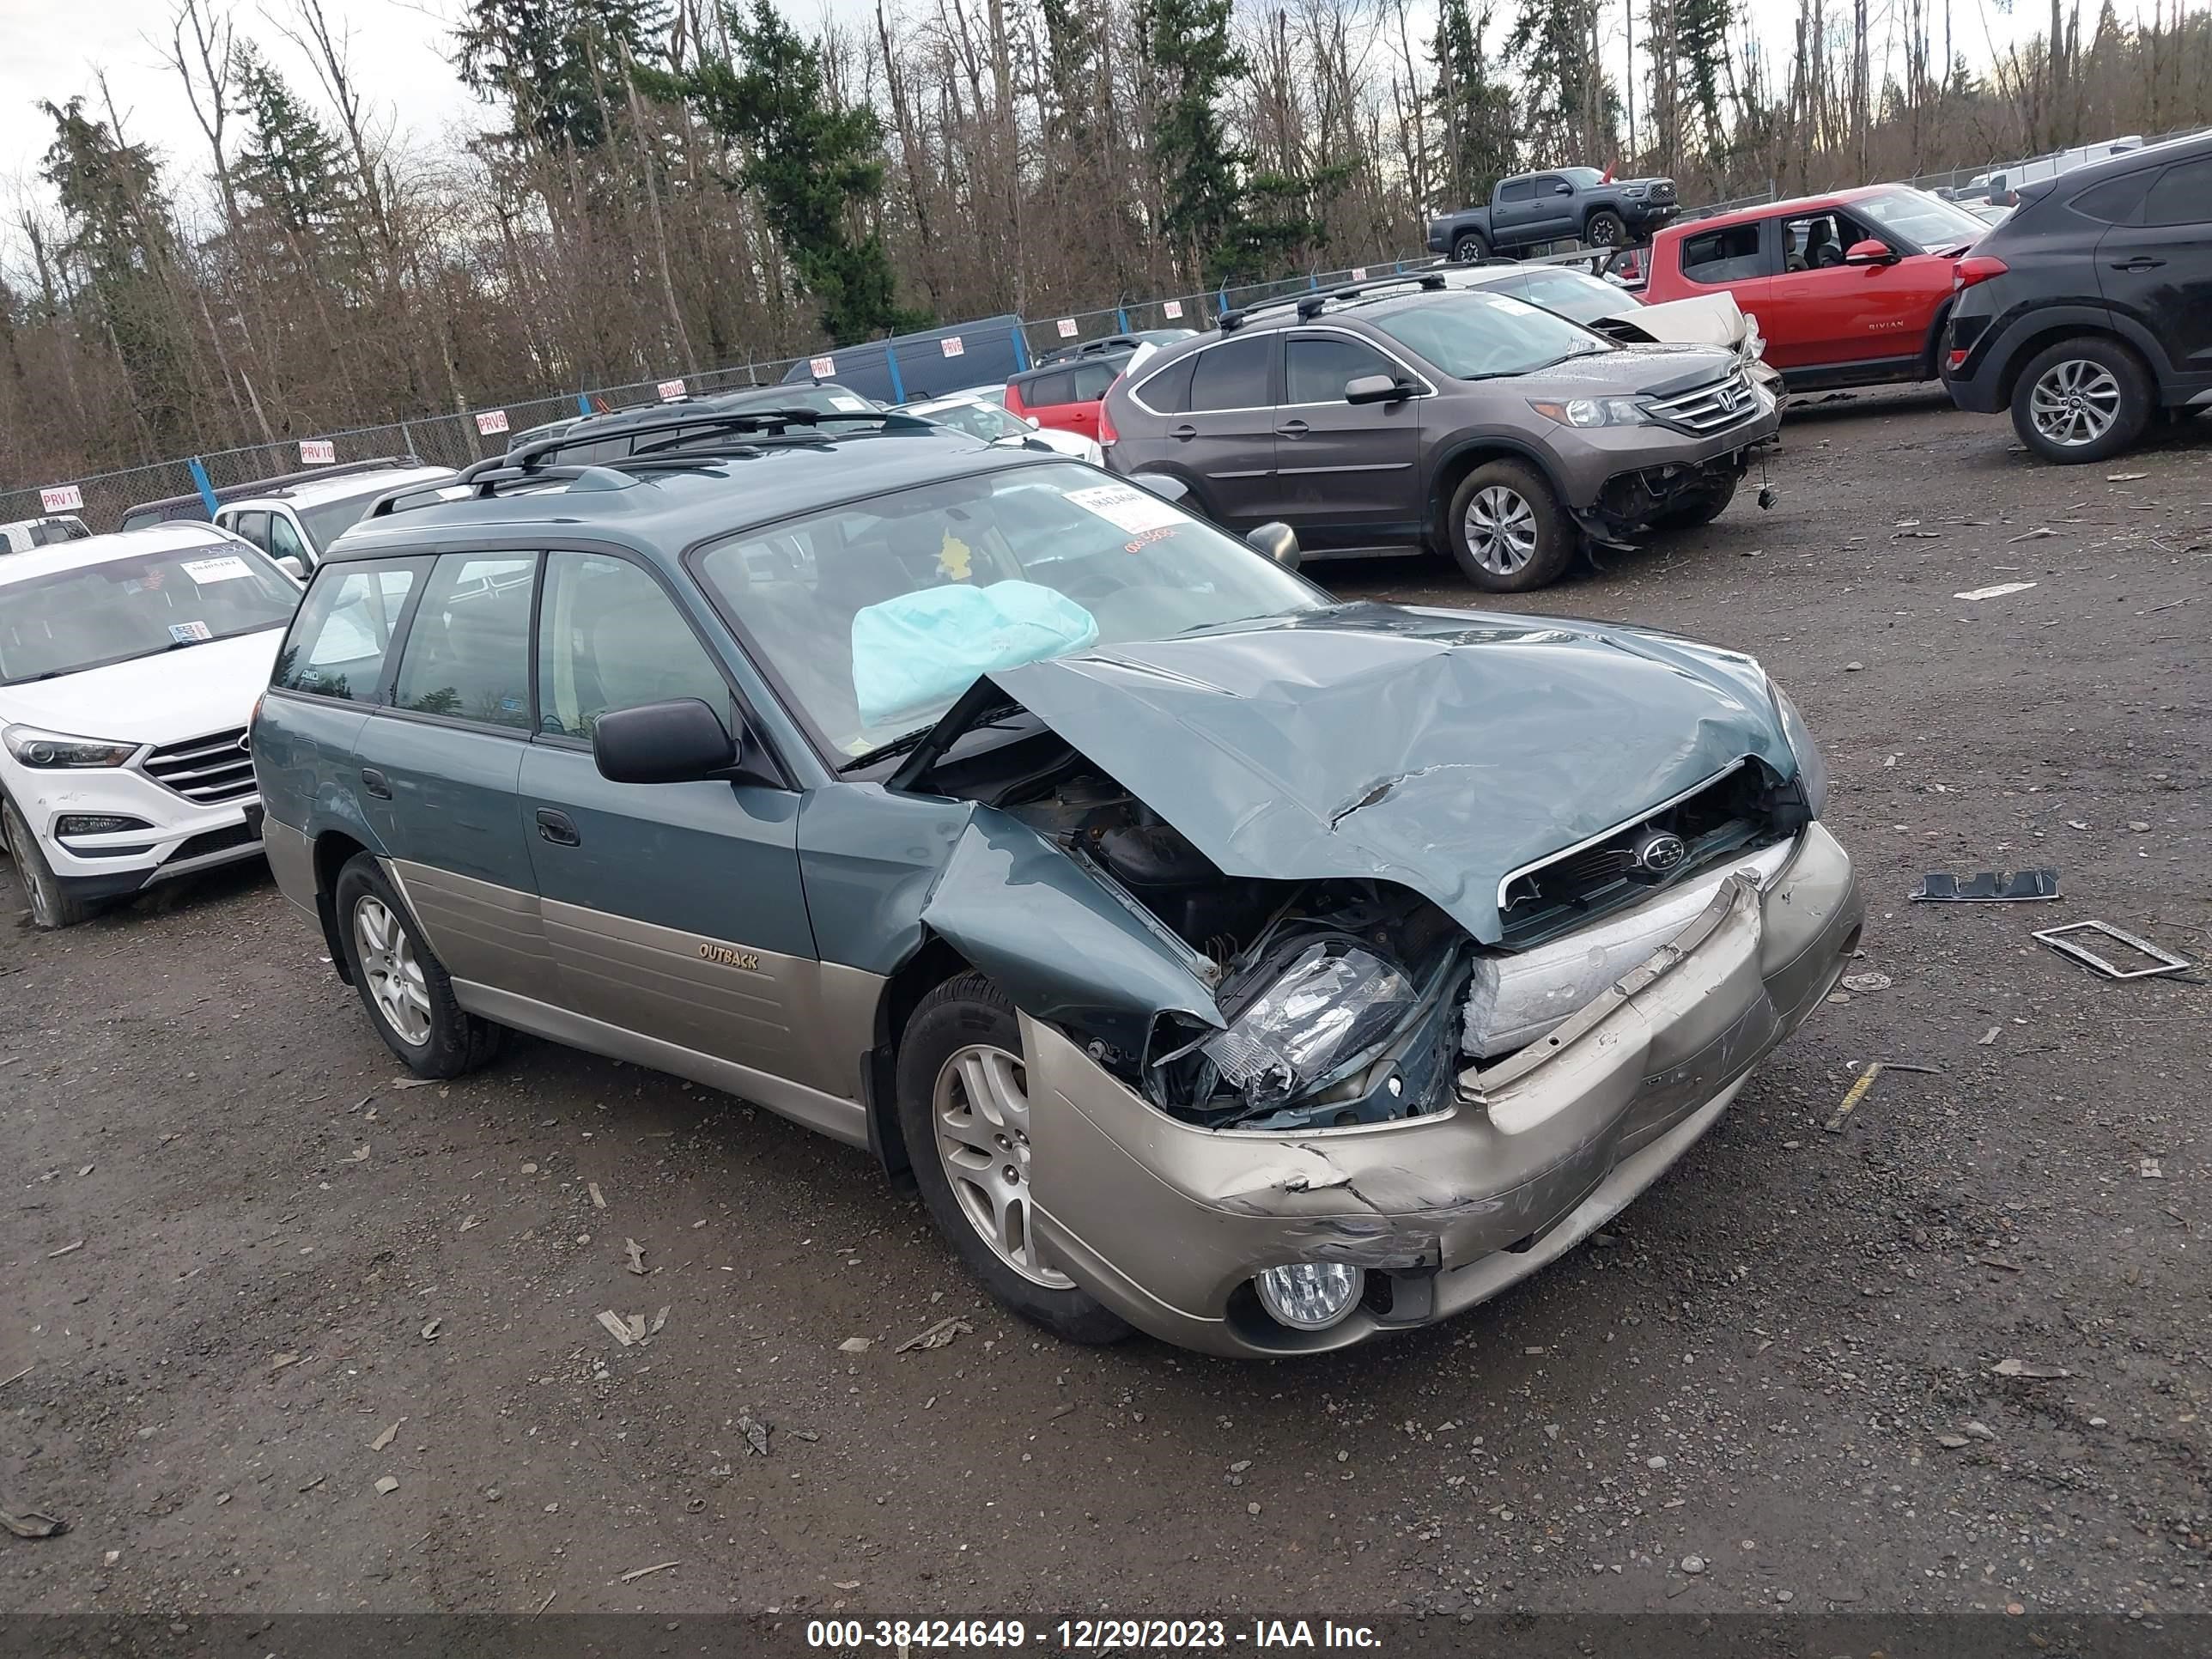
1055	938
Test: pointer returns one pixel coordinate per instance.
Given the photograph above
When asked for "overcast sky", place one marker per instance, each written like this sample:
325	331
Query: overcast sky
51	49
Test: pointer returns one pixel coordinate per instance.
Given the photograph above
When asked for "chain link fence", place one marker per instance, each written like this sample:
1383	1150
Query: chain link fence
917	364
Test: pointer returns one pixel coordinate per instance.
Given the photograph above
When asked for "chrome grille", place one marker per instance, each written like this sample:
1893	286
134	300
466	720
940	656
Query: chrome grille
1710	408
210	770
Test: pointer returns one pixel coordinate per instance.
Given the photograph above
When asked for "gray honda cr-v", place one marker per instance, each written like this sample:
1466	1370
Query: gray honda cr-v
1407	414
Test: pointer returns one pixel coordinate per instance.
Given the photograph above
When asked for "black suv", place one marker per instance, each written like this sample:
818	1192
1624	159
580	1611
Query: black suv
2089	311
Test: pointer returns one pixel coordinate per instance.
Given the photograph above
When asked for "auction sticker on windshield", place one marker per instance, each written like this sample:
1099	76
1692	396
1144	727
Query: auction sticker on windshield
1127	508
228	569
188	633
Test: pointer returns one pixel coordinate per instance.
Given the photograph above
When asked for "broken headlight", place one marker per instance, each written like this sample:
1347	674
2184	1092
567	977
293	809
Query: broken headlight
1332	1003
1812	764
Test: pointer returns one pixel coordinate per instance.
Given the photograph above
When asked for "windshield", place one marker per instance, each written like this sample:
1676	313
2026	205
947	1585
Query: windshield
1922	219
123	608
982	421
1576	296
1584	176
1475	335
876	616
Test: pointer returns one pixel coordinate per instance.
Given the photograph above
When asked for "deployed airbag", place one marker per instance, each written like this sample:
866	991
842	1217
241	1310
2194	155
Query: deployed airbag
920	650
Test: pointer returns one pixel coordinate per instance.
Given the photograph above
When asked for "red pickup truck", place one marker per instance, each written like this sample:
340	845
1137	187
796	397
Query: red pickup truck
1850	289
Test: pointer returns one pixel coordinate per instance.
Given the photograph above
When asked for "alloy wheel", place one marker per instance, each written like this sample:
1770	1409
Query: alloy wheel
982	1110
1501	530
2075	403
38	888
393	971
1600	232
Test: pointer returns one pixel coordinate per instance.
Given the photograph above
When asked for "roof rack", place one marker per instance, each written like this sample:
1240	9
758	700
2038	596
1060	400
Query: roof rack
1311	304
691	437
226	494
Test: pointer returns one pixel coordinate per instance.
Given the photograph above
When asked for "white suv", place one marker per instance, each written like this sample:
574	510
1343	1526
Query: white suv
293	525
130	664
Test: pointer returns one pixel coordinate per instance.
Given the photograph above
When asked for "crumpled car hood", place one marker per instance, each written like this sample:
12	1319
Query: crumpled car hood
1438	749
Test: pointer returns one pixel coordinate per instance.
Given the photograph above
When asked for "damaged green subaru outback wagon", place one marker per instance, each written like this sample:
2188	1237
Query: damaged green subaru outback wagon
1262	971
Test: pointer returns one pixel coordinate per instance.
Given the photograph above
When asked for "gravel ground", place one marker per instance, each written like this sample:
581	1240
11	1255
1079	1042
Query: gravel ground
254	1276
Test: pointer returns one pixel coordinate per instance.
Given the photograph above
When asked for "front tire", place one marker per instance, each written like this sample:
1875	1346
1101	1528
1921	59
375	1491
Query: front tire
52	905
1509	534
1606	229
404	987
1469	247
964	1105
1708	505
2082	400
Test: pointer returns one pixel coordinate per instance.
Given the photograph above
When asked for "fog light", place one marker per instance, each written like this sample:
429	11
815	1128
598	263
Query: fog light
107	823
1311	1295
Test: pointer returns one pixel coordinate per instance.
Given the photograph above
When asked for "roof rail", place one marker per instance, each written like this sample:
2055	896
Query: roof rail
1311	304
699	423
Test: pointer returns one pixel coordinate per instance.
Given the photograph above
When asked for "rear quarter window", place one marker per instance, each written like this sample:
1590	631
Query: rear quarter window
1168	392
1727	255
343	631
1049	391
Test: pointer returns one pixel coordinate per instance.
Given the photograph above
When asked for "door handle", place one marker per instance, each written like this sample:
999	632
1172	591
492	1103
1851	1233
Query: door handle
375	782
1182	434
1292	430
556	828
2141	261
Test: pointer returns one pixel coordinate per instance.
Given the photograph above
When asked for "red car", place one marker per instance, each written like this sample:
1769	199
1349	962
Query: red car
1064	395
1850	289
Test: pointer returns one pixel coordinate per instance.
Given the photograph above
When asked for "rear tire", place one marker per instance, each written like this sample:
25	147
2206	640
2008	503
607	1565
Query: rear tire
1605	228
1508	533
1470	247
52	905
1707	506
964	1106
2082	400
404	987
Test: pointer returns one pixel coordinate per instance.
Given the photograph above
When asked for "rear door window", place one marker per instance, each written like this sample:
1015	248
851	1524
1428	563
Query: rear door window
1727	255
1049	391
2182	196
467	656
1235	375
1520	190
1091	380
343	630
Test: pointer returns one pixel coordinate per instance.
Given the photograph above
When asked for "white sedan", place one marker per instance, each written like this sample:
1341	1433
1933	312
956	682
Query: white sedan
972	413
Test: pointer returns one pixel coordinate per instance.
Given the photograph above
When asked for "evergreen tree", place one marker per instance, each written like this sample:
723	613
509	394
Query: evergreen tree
1479	144
1191	62
817	169
1574	111
122	240
291	166
556	61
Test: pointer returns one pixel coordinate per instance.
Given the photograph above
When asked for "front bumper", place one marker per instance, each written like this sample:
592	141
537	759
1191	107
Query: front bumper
181	837
1166	1223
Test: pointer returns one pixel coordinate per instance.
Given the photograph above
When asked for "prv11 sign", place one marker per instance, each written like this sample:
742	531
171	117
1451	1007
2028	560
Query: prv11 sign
61	498
670	391
318	451
490	422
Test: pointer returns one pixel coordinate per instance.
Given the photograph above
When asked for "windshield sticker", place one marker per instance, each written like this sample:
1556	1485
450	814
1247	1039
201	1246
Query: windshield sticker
955	558
846	400
188	633
1128	507
228	569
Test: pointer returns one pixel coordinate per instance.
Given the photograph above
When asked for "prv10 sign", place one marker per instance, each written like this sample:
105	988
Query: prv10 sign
318	451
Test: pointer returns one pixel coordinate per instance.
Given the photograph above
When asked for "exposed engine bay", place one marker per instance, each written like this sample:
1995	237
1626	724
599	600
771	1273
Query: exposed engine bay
1347	1001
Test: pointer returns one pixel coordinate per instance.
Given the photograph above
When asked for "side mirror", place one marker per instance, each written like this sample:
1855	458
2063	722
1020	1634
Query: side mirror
1279	542
1375	389
290	565
1033	421
1563	190
680	741
1167	487
1870	252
